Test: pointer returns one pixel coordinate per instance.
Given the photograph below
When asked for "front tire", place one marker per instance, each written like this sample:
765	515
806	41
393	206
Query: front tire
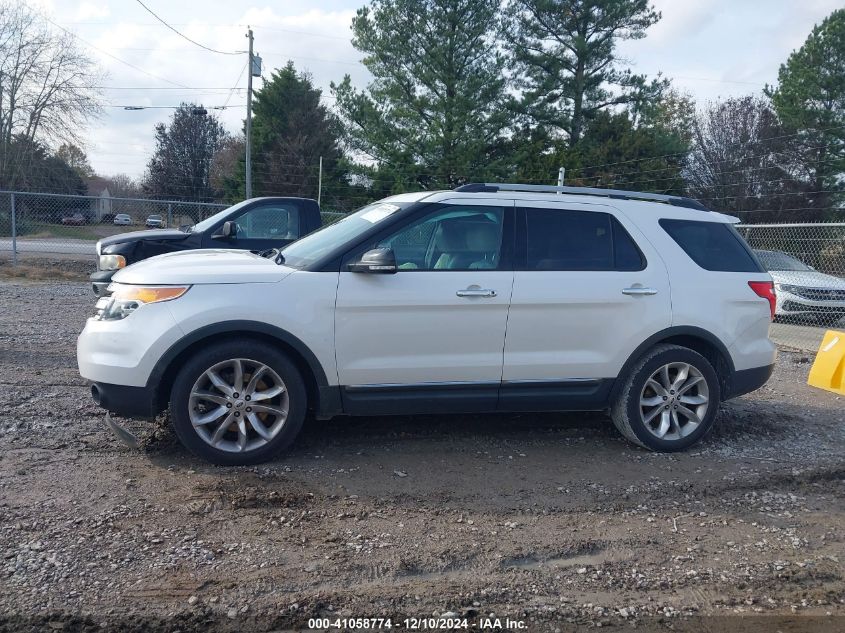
668	400
238	403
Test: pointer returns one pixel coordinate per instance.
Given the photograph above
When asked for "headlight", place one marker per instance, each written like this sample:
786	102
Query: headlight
786	288
112	262
125	299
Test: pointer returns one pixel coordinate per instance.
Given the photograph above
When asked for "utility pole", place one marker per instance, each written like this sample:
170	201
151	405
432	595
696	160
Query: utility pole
249	120
320	183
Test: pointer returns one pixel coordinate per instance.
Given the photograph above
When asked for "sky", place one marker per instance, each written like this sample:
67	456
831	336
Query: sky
712	49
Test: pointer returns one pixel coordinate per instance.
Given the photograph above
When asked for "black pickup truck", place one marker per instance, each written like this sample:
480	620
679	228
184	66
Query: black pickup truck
256	224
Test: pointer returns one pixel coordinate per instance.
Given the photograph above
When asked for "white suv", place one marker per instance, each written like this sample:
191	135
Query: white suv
491	297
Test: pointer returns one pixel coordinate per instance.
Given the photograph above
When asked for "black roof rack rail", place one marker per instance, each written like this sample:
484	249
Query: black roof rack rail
617	194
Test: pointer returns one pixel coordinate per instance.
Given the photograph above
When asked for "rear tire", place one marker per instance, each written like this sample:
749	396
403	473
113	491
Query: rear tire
669	399
238	403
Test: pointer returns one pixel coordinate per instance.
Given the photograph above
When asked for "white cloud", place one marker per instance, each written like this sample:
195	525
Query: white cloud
722	48
316	40
91	10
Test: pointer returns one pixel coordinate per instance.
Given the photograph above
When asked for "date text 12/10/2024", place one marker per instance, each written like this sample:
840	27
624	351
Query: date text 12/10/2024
418	624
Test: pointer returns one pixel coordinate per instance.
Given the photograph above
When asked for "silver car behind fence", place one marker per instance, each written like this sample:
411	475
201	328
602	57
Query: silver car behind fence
807	263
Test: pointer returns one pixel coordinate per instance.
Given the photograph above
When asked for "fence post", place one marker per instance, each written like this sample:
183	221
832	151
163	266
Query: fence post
169	215
14	233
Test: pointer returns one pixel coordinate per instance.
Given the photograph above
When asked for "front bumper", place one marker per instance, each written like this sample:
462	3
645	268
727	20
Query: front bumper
117	358
127	402
100	281
125	351
789	303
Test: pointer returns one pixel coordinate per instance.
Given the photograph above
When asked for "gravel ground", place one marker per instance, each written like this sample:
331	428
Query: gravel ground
552	521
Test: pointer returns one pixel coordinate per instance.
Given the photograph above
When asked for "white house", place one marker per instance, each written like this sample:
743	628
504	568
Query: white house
101	203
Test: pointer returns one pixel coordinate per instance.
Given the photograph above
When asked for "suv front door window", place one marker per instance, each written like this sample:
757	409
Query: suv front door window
458	238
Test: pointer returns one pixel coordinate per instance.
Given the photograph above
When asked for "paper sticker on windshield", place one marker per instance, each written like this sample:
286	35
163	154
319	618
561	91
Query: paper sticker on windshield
378	213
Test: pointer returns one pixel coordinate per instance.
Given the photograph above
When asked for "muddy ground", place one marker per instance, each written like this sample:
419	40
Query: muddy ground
552	521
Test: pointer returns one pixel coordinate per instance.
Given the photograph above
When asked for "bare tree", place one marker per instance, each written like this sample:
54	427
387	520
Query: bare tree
123	186
228	162
741	161
46	87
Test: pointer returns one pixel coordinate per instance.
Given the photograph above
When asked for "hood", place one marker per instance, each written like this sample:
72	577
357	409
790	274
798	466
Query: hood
205	266
807	279
134	236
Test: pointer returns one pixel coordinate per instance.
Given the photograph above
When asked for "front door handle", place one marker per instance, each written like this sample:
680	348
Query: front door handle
476	292
639	290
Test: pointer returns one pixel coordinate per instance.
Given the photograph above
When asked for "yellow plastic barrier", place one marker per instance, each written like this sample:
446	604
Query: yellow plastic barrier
828	371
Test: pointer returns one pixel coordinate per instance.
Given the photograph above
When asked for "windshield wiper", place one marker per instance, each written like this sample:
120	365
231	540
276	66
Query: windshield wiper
275	254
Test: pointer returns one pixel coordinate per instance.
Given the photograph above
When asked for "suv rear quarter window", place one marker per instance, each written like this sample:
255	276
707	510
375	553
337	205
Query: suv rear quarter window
714	246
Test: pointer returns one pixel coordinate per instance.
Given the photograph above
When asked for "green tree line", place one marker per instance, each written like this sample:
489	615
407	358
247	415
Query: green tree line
479	90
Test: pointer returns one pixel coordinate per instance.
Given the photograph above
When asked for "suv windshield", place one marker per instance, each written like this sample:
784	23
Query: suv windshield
775	260
310	248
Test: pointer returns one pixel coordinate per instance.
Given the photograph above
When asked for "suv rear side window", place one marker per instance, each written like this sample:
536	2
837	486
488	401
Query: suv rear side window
712	245
559	239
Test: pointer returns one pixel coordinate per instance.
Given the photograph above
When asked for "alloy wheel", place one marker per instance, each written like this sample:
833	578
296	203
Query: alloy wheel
674	401
238	405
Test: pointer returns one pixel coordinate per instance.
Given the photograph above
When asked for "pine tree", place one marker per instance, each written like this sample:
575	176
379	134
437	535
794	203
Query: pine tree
433	114
564	57
810	101
291	130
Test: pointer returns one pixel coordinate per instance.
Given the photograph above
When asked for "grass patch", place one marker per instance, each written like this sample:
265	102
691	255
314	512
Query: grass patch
38	273
46	269
43	229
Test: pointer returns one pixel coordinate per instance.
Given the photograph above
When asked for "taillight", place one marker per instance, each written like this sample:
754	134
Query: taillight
766	290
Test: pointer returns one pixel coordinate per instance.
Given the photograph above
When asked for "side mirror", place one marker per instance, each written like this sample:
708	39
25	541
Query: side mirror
380	261
227	231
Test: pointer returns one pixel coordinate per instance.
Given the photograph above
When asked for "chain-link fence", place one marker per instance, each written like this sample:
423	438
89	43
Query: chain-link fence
807	263
41	223
34	224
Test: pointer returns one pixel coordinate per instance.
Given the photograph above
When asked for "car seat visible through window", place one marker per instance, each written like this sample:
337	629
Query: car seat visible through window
461	244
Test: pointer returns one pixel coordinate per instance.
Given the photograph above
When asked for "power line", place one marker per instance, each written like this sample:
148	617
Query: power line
183	36
265	53
686	152
118	59
227	24
222	88
237	81
169	107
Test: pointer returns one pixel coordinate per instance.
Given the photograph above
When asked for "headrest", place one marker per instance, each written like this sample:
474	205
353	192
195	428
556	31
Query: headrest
451	236
483	237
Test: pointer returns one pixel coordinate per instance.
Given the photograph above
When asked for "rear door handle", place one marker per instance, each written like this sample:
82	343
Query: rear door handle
476	292
638	290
